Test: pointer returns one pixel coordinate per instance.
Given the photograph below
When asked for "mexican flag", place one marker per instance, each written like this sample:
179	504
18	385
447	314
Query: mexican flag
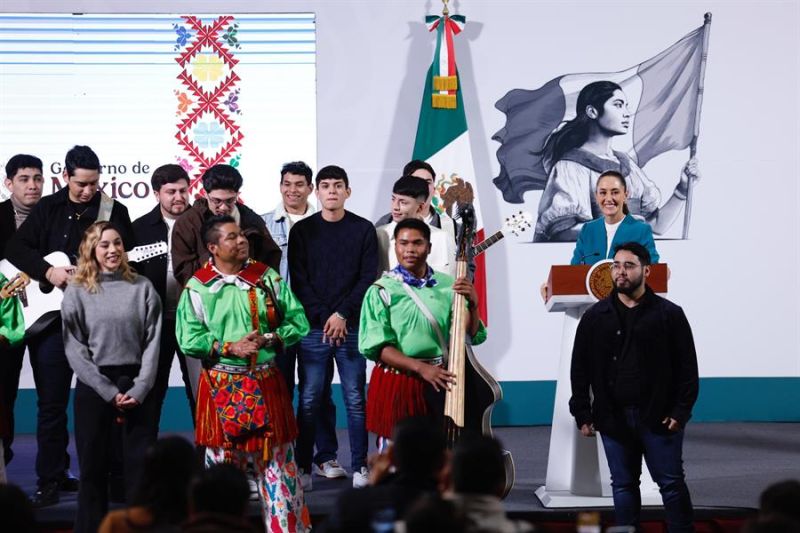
443	139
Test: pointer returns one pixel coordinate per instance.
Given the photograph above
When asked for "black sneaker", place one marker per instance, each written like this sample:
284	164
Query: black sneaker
69	483
46	495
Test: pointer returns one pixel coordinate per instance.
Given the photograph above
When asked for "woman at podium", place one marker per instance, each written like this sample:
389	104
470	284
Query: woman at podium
598	238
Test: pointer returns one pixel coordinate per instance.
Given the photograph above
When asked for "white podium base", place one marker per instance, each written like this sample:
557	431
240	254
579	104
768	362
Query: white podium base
559	499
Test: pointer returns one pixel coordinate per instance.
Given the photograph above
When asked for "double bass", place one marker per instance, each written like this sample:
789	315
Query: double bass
468	403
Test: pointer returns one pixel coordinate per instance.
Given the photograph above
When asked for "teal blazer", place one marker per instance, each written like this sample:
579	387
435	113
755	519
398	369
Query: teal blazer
591	246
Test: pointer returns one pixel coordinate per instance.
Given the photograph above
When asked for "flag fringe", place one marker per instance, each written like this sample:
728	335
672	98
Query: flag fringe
443	101
445	83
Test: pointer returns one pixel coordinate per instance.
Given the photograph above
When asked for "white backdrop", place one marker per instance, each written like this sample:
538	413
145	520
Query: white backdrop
736	277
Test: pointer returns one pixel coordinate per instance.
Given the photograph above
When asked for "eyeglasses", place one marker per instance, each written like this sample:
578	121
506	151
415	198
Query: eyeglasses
627	267
218	202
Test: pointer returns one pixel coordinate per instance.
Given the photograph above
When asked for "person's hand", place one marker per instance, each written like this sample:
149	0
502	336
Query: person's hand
587	430
117	399
247	346
437	376
543	291
59	276
691	171
672	424
464	287
124	402
335	330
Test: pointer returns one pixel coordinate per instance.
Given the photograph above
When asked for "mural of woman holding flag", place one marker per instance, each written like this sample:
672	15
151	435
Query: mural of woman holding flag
558	138
580	151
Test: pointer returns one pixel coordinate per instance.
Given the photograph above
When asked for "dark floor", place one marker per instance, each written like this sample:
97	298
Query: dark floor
727	466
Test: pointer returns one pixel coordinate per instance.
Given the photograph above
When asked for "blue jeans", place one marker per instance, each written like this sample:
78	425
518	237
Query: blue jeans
325	439
316	373
663	455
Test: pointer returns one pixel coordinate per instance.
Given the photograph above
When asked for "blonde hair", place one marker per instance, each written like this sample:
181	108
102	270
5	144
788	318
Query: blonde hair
88	273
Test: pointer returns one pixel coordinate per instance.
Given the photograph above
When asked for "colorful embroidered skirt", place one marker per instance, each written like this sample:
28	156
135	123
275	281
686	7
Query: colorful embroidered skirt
281	427
392	396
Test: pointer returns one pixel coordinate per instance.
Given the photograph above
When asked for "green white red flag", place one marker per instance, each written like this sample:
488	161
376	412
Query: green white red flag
442	136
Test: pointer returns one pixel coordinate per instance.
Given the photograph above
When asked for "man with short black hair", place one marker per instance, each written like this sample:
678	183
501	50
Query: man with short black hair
170	185
405	327
218	501
423	169
333	259
24	181
57	224
235	314
221	184
478	484
634	380
411	468
410	195
296	187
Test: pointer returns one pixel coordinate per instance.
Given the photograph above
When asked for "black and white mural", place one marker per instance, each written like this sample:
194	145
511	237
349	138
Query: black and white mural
559	138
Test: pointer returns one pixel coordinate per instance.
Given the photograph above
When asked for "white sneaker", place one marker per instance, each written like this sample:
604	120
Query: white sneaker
253	489
305	481
329	469
361	478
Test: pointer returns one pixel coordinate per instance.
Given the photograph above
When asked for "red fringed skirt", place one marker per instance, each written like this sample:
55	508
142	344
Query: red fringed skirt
281	427
392	396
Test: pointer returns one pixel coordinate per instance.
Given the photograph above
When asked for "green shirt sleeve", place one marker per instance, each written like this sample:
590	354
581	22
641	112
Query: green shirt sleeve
295	325
191	331
375	329
12	324
480	335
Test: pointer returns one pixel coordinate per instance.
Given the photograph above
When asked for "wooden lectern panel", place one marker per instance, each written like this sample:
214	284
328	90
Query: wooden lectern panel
567	280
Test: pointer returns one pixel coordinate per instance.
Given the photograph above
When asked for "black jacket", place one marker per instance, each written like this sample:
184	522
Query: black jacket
189	253
8	225
151	229
667	364
52	226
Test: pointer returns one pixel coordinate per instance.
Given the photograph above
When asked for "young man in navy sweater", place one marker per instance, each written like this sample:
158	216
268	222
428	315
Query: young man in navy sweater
333	259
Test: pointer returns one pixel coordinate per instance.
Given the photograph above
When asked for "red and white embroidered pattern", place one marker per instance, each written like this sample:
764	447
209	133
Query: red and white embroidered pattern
207	98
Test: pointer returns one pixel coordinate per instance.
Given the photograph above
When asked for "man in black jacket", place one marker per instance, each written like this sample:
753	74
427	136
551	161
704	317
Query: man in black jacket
24	180
57	224
634	380
171	189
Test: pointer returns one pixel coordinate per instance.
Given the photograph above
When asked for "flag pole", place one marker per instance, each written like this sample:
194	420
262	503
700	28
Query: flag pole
445	11
687	210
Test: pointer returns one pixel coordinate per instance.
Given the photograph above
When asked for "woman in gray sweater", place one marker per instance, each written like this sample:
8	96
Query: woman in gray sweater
112	327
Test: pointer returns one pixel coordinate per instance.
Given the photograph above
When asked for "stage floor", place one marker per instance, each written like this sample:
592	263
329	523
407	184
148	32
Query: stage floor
727	466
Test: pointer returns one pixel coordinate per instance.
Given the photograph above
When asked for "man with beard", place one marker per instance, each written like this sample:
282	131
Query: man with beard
171	189
634	350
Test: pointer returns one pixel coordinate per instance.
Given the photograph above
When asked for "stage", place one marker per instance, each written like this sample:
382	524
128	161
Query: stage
727	466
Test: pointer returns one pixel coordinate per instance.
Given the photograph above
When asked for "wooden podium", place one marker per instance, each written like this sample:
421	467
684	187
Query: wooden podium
577	470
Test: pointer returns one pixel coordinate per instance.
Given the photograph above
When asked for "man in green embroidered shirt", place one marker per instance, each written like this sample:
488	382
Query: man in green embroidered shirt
409	378
235	314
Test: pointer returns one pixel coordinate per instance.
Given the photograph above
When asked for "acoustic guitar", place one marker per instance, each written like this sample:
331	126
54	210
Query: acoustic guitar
41	301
